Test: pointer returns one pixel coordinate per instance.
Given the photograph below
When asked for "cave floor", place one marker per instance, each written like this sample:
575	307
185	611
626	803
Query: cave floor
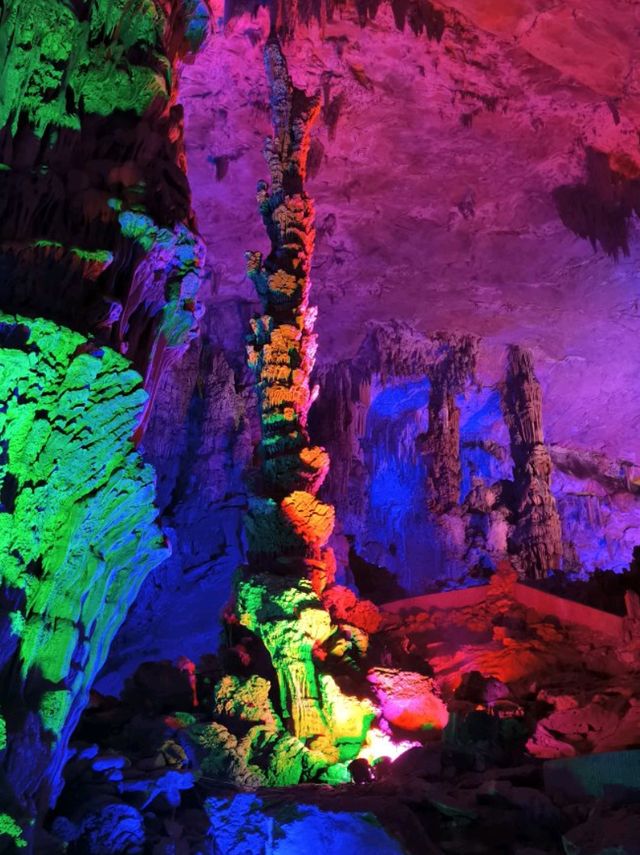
541	752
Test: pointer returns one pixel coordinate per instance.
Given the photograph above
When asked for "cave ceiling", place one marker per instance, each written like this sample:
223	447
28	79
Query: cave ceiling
482	180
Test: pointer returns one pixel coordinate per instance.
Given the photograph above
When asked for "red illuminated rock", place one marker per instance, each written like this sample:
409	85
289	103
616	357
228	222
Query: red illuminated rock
409	701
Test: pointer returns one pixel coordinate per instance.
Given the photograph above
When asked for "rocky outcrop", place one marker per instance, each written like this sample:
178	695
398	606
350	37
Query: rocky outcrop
77	538
100	265
536	541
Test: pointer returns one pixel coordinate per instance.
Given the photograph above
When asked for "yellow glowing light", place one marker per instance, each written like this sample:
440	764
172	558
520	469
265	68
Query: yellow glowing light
379	744
349	716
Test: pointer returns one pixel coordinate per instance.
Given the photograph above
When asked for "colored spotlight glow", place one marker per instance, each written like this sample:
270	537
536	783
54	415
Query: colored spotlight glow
379	744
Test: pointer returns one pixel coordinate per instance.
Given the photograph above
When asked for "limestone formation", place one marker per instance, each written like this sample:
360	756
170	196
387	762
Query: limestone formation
100	265
421	16
96	228
432	170
453	368
77	538
279	596
408	701
536	541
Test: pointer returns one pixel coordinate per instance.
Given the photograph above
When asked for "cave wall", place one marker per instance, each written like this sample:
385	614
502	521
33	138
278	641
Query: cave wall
378	431
100	266
438	169
391	540
476	191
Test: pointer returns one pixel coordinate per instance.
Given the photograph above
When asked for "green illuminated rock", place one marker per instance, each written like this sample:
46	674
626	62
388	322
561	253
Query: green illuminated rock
58	65
77	537
265	754
11	832
294	625
94	185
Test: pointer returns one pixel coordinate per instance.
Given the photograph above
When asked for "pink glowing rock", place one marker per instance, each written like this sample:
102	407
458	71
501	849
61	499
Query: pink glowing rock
188	667
408	700
545	746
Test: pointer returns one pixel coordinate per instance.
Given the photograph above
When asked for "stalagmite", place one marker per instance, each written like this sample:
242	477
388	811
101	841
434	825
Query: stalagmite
536	540
453	367
279	596
283	345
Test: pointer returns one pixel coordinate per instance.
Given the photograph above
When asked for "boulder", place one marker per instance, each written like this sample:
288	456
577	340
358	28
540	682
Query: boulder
420	762
476	688
408	700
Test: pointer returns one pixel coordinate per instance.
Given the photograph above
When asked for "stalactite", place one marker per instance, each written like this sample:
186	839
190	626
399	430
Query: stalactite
536	540
395	350
288	15
600	209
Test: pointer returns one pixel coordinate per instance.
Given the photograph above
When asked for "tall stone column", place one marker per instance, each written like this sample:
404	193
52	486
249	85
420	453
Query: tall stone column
453	367
536	539
279	596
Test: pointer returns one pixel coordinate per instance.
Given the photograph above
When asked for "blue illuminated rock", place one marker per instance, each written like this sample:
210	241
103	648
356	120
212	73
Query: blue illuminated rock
244	825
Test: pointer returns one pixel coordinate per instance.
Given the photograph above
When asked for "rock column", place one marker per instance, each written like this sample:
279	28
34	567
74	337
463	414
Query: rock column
536	539
280	595
453	367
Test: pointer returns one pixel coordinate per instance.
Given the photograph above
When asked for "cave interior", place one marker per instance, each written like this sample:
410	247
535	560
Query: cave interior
319	467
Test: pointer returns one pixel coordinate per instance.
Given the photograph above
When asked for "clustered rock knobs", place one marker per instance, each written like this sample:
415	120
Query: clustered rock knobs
283	344
291	569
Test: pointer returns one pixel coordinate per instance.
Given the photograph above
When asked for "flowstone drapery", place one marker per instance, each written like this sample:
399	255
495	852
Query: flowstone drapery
285	596
77	538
